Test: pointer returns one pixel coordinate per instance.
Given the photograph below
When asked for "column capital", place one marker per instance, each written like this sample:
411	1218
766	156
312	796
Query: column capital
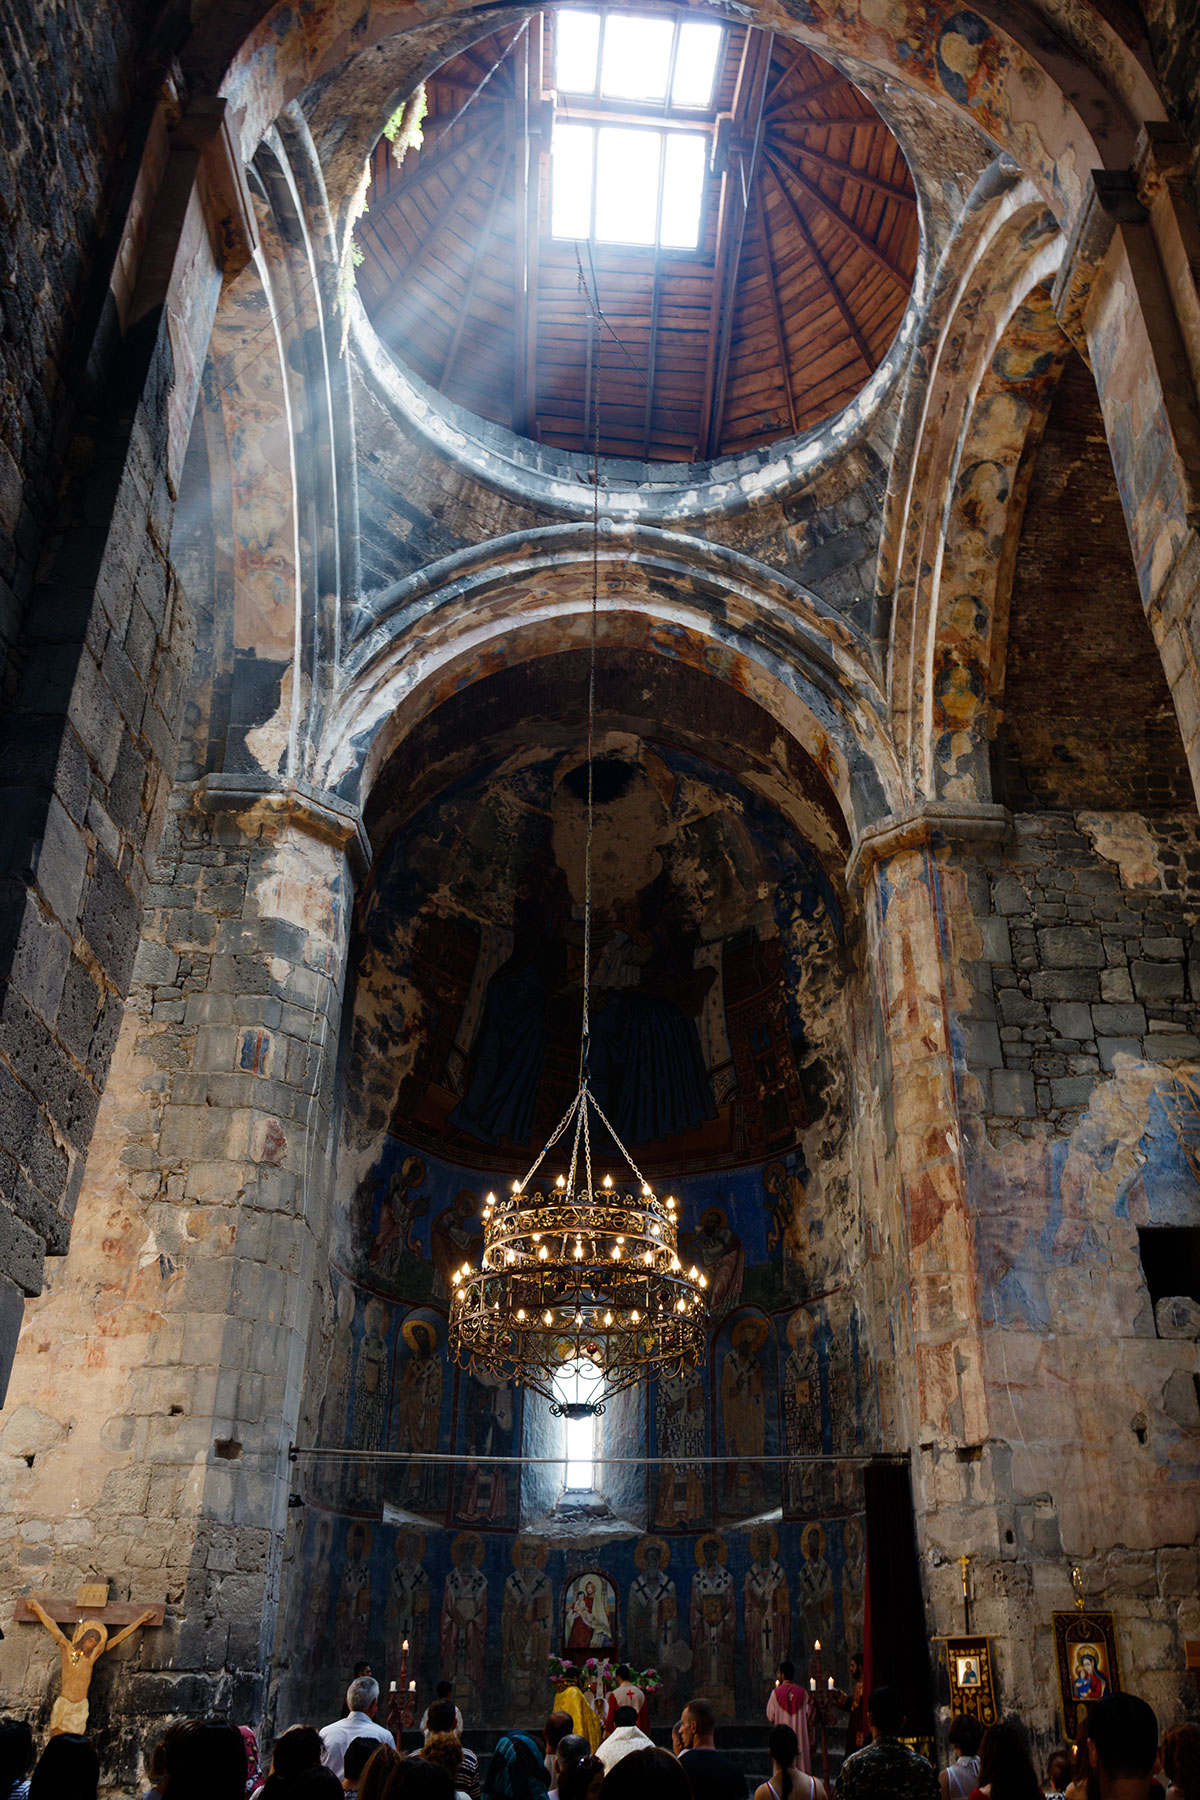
961	822
256	800
1110	199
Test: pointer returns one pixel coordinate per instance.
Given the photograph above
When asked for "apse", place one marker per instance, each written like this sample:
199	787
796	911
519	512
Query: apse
719	1053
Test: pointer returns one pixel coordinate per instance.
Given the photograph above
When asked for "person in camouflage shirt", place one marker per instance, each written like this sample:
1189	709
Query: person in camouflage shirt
886	1769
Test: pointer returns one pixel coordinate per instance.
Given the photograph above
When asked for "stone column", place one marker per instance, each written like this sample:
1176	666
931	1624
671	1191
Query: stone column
182	1312
89	737
923	1231
1126	296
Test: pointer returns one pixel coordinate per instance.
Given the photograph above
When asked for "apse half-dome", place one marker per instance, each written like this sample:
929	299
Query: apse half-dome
686	244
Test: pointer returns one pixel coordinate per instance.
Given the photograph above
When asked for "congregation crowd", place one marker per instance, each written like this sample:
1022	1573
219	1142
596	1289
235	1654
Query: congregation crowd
1119	1756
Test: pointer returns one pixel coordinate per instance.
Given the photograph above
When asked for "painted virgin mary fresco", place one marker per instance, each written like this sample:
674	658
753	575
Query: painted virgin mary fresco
697	899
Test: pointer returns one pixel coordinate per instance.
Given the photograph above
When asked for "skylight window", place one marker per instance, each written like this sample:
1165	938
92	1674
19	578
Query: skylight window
625	183
627	56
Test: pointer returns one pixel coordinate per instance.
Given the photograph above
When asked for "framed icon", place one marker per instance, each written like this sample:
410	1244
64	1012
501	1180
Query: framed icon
972	1687
1085	1645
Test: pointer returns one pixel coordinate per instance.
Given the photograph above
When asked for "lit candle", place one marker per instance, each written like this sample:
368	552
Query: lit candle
393	1687
817	1644
812	1683
831	1684
412	1687
404	1645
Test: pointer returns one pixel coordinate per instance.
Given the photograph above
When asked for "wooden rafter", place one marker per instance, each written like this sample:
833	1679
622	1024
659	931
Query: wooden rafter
824	271
441	218
821	121
846	172
748	126
430	165
817	91
834	212
764	238
472	277
781	81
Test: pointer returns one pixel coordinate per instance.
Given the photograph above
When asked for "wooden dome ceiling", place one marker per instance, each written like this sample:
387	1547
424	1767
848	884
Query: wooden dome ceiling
807	247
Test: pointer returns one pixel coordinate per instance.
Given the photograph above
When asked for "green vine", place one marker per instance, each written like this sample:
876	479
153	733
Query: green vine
403	132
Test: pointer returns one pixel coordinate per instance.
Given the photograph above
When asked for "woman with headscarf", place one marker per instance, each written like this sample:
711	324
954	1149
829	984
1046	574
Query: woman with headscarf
516	1770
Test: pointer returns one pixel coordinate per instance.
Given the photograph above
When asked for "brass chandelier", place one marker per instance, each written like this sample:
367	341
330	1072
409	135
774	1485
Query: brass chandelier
575	1275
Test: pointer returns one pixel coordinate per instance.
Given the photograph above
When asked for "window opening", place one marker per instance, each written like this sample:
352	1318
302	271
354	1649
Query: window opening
626	183
577	1389
1170	1256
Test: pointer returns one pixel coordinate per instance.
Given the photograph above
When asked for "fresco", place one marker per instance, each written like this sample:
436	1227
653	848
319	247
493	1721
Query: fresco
701	924
720	1008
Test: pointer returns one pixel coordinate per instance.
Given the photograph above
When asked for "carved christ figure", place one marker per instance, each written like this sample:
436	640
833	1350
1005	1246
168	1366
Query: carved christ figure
80	1654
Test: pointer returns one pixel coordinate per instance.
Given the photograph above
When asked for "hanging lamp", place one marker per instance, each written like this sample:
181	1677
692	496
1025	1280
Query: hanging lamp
577	1275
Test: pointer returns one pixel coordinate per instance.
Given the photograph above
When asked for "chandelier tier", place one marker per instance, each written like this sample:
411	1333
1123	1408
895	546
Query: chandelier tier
575	1276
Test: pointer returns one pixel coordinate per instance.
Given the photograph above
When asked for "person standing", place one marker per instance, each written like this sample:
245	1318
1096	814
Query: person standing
711	1776
1006	1770
787	1705
787	1782
1122	1746
623	1738
626	1693
886	1769
961	1778
362	1698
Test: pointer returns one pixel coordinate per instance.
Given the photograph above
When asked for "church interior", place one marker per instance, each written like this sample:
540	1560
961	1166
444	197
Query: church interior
655	547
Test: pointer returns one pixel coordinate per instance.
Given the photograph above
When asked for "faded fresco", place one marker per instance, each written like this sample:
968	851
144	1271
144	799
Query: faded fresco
719	1014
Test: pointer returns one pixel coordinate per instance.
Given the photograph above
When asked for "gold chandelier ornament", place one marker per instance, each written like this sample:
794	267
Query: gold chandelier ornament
576	1277
574	1274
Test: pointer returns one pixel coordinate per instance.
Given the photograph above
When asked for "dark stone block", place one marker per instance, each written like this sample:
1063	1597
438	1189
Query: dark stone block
111	921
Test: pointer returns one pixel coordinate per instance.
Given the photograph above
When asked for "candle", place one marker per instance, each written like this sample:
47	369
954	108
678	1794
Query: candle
412	1687
831	1684
817	1644
813	1684
404	1645
393	1687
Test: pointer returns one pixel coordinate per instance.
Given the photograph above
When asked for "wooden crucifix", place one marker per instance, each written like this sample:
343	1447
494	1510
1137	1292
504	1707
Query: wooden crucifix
91	1616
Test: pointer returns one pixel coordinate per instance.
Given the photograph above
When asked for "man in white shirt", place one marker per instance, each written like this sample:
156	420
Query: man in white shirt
362	1698
623	1738
445	1691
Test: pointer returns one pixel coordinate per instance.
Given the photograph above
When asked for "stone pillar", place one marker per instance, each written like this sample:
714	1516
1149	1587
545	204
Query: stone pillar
181	1315
1126	296
89	737
923	1229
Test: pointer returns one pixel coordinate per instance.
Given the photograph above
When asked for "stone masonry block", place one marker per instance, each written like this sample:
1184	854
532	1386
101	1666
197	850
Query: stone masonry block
1115	985
1071	947
1013	1094
1112	1047
1072	1019
1072	1090
1008	896
1158	980
1017	1008
1163	949
1065	984
1119	1021
1178	1572
997	947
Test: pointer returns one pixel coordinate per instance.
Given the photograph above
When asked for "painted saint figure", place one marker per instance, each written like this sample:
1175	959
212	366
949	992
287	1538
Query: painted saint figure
814	1586
371	1393
743	1417
652	1619
419	1413
354	1592
679	1417
408	1601
489	1420
713	1620
464	1621
801	1406
526	1622
766	1609
718	1251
